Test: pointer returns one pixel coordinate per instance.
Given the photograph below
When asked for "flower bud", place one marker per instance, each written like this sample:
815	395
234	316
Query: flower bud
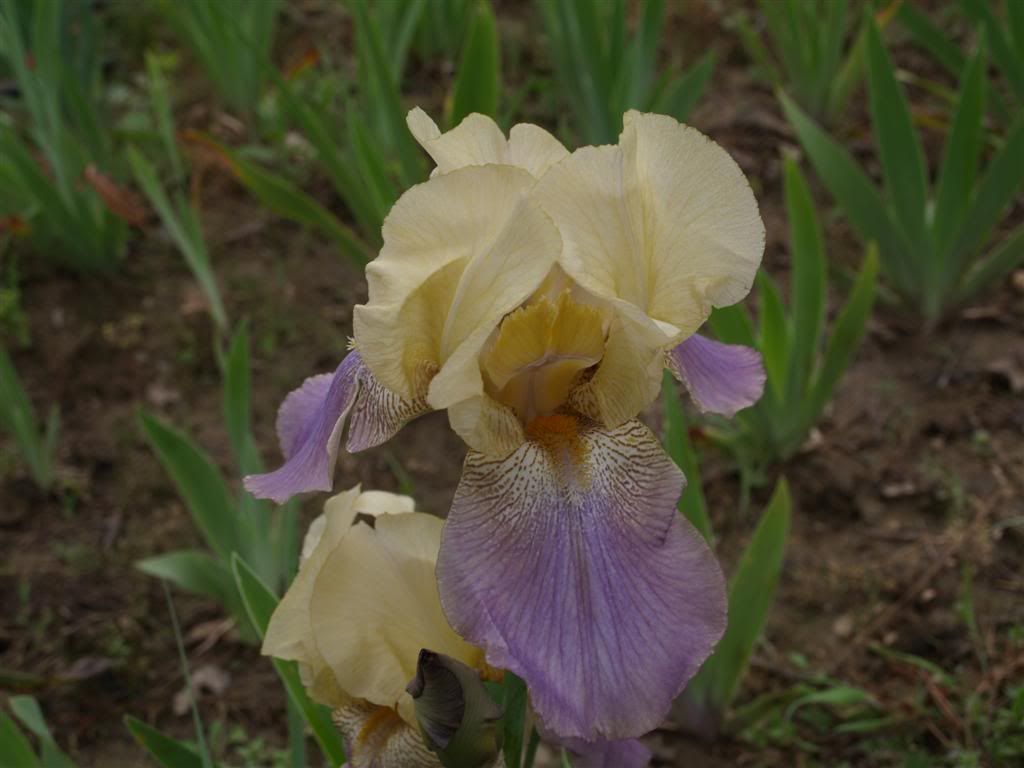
459	720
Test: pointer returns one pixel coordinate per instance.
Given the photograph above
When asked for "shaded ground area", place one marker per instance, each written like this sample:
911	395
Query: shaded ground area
908	533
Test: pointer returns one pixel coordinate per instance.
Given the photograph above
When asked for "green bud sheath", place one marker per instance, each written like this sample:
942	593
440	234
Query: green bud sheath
459	720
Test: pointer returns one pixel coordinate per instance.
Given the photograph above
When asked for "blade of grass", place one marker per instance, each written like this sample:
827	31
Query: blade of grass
170	753
1007	257
199	483
15	747
853	190
183	227
774	335
751	593
931	38
388	97
204	752
677	444
260	602
682	95
1003	52
846	335
997	187
283	197
479	77
27	710
899	147
960	158
808	279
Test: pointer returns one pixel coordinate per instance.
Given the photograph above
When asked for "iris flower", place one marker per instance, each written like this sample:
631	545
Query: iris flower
537	296
363	621
362	606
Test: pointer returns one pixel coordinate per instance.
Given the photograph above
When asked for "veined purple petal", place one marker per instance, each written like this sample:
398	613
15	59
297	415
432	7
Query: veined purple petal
312	418
624	753
721	378
569	564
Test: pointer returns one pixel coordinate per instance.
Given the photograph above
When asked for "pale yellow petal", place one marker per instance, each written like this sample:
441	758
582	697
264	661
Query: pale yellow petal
498	279
376	503
706	232
375	605
477	140
289	634
665	221
433	233
533	148
628	379
486	426
540	352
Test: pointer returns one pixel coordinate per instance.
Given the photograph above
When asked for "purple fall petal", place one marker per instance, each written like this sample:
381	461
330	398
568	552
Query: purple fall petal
624	753
312	418
721	378
569	564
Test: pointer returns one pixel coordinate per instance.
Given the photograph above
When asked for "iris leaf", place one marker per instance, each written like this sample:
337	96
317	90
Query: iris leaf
198	482
260	603
808	279
994	267
15	748
899	147
960	159
997	187
167	751
677	444
774	336
855	193
751	592
182	224
846	335
478	81
27	710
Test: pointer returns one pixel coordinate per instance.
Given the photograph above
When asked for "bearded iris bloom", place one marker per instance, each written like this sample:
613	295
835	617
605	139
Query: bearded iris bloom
356	617
537	295
363	621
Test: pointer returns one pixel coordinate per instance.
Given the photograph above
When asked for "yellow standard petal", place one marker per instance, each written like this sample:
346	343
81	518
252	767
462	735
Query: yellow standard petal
375	605
460	251
478	140
540	352
290	634
665	221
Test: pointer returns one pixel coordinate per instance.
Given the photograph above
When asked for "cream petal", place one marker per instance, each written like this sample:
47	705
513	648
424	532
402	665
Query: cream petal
375	605
486	426
533	148
707	234
478	140
665	221
491	286
376	503
435	232
628	378
289	633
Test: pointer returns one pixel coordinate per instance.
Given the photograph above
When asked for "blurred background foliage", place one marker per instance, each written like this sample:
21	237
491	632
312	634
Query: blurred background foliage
117	117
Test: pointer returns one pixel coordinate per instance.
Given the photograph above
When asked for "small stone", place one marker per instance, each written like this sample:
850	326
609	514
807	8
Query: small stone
1018	280
928	595
843	626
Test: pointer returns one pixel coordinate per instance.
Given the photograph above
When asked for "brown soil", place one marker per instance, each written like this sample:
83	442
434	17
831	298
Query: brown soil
917	477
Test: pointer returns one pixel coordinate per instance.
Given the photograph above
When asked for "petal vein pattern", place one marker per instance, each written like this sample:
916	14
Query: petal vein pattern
568	562
311	420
